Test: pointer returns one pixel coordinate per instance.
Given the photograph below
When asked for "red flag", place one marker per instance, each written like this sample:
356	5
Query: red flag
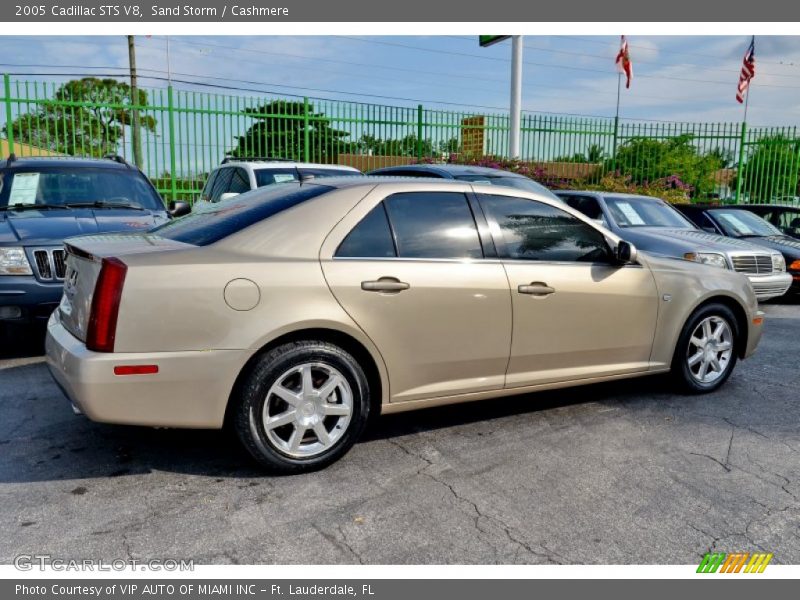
624	63
748	71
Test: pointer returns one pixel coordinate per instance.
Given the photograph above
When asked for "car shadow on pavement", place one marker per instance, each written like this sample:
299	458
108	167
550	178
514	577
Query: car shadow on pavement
42	440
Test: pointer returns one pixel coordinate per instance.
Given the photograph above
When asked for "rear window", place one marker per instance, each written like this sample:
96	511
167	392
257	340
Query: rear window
226	218
266	177
69	185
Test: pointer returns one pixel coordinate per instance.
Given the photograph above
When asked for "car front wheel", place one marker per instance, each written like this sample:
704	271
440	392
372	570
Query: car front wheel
302	406
706	351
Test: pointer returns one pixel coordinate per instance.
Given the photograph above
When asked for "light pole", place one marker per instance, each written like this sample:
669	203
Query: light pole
516	96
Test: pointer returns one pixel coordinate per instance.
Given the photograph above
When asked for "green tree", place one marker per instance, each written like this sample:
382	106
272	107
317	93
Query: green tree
85	117
771	169
645	160
280	131
594	154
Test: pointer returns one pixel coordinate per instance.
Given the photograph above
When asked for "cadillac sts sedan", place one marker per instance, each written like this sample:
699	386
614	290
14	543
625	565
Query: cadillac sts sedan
295	312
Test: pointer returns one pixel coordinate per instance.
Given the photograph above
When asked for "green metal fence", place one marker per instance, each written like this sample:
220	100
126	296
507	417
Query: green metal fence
183	134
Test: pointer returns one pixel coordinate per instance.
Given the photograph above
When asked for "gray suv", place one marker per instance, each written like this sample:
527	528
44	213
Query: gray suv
654	226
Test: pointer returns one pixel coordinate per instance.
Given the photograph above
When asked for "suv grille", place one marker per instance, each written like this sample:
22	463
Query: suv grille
50	264
752	264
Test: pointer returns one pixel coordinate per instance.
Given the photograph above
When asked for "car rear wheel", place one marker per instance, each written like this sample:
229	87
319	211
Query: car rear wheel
302	406
706	351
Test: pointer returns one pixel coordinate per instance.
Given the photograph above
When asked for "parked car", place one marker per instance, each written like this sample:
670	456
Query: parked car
43	201
785	218
238	175
745	225
474	174
655	226
323	302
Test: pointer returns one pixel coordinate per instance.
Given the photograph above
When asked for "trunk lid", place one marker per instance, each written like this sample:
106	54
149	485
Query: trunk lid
84	260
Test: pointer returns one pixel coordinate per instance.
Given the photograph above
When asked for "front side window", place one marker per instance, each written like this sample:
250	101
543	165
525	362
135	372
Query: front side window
240	182
433	225
532	230
221	184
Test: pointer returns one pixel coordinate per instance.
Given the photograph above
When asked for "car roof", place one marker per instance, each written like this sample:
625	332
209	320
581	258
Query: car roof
607	194
270	164
27	162
451	169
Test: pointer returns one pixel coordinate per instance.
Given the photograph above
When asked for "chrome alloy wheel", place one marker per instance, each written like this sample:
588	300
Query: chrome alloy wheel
710	349
307	410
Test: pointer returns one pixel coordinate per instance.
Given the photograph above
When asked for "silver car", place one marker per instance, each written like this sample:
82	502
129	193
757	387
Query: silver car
658	228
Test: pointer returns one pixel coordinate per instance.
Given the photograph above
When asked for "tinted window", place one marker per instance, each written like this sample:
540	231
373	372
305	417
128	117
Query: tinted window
271	176
221	220
221	184
78	185
536	231
433	225
320	172
240	182
371	238
206	195
742	223
586	205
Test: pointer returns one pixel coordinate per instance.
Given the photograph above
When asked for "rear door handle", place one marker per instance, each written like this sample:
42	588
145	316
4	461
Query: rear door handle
536	288
385	284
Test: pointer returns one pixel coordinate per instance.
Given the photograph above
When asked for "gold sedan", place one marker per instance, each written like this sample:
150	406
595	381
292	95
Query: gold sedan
293	312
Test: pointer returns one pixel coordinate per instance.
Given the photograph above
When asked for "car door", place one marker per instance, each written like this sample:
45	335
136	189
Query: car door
576	313
412	271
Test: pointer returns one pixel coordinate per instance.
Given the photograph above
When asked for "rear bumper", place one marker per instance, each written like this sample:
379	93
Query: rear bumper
35	300
770	286
191	389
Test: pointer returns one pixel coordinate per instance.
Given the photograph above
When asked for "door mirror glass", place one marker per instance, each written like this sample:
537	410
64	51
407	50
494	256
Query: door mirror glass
626	253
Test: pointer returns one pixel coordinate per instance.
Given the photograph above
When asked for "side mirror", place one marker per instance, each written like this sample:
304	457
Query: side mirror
709	229
626	253
227	195
177	208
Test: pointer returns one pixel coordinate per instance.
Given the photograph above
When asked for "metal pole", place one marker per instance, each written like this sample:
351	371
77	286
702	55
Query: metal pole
172	144
9	124
516	96
740	165
169	68
419	132
136	134
616	126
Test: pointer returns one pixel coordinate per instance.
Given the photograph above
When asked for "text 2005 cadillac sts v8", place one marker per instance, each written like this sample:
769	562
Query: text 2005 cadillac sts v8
293	312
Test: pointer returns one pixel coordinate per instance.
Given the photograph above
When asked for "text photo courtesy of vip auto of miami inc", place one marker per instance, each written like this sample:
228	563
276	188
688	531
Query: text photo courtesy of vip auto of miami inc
399	300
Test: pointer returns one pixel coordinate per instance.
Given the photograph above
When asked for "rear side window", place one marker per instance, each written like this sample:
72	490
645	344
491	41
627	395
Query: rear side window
371	238
433	225
534	230
224	219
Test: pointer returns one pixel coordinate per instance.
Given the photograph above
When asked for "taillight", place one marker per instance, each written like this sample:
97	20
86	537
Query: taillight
105	305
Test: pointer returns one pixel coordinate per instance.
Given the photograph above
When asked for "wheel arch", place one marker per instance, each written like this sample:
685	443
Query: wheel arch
375	376
739	312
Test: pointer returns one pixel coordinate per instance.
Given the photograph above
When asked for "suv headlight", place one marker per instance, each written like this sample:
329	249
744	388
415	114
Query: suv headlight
708	258
14	262
778	263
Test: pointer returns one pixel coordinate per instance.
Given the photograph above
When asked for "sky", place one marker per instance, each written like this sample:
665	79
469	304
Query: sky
676	78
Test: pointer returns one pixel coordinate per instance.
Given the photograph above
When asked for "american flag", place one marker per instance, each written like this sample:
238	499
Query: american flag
748	71
624	63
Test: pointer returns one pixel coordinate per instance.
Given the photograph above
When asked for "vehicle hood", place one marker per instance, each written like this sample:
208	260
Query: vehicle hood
784	244
50	227
662	240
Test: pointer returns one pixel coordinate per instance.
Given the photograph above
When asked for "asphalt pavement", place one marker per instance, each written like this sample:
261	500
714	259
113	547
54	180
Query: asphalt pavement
622	473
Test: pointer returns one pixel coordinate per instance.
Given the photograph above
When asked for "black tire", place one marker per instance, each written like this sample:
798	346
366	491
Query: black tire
682	373
269	369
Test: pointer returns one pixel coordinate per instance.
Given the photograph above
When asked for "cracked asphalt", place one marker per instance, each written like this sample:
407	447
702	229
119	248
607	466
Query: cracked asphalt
627	472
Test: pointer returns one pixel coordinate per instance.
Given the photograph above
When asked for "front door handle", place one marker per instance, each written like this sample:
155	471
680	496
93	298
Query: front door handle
536	288
385	284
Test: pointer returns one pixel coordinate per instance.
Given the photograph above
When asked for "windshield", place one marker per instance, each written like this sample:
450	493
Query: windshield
641	211
67	185
218	221
520	183
743	223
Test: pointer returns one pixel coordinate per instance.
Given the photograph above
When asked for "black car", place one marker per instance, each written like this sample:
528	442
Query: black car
468	173
784	217
743	223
